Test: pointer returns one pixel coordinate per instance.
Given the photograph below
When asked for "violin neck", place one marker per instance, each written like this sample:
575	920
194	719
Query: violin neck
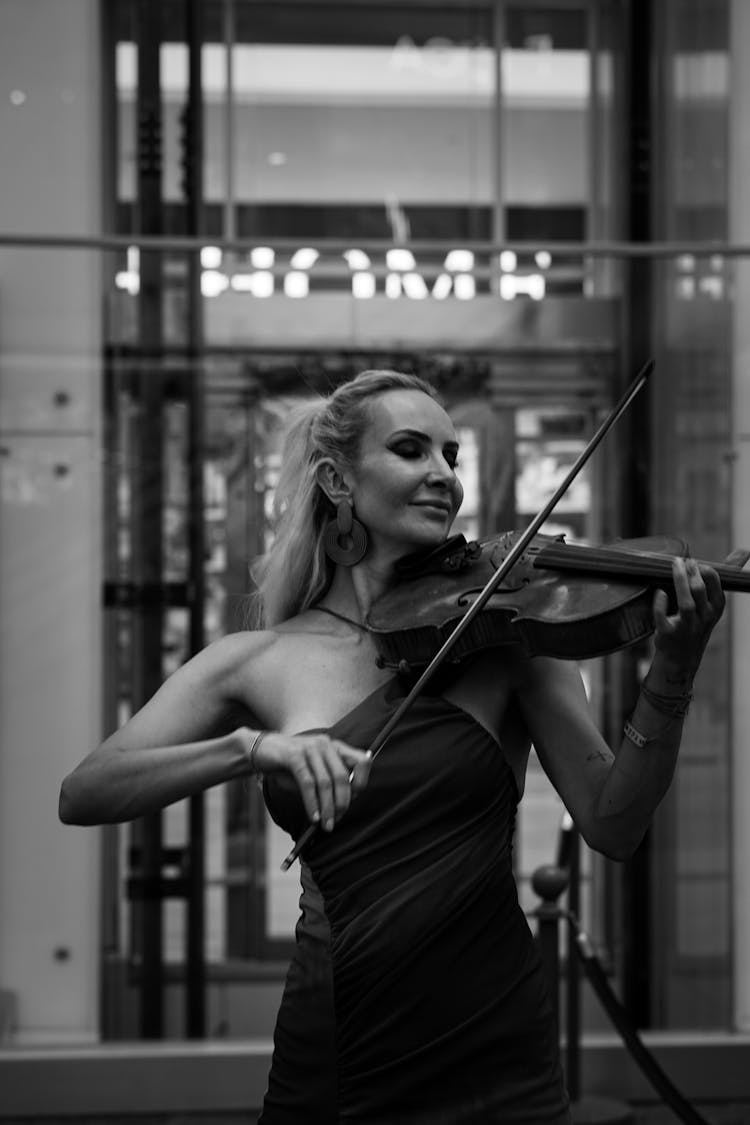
627	566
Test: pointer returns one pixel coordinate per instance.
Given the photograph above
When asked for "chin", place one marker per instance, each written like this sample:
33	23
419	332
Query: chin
429	537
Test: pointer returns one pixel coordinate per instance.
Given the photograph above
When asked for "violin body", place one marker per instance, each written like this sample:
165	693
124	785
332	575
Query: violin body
564	600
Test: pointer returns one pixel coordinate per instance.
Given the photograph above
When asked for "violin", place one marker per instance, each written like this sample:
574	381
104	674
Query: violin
566	600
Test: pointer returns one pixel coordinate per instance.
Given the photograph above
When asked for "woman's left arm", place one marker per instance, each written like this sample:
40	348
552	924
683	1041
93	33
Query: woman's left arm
612	797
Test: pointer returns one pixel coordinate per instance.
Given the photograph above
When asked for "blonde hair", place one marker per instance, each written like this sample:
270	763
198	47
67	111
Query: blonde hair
295	572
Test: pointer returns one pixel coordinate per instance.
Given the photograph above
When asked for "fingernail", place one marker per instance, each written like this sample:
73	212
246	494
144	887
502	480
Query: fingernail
329	825
316	816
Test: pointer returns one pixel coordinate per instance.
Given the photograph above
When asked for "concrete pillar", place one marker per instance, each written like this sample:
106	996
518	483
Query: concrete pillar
50	562
739	231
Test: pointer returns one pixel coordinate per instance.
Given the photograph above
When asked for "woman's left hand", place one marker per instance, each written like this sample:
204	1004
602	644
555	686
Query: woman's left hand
681	637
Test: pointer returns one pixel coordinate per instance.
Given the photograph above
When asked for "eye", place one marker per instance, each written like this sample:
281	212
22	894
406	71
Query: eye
409	449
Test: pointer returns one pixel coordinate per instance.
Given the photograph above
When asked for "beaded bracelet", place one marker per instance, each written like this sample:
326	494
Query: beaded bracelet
261	734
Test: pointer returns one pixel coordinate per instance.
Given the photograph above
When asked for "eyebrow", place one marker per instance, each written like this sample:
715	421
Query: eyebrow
422	437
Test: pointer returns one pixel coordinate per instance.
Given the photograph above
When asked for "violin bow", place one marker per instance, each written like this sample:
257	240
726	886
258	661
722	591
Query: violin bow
494	581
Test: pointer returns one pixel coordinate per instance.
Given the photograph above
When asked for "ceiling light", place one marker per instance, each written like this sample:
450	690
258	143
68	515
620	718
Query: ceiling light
459	261
414	286
442	287
262	284
357	259
507	287
393	285
213	283
242	282
535	287
128	280
398	259
304	258
464	286
296	284
211	257
262	257
363	285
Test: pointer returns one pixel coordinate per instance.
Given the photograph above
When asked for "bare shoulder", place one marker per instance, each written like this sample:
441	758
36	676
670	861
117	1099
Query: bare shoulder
220	660
233	650
238	658
257	670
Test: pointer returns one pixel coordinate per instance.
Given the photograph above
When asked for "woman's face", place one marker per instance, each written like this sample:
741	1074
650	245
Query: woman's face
404	486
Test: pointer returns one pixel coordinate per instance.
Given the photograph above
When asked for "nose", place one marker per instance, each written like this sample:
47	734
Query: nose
442	476
441	473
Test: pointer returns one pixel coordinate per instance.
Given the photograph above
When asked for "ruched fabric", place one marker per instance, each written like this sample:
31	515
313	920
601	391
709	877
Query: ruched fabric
416	994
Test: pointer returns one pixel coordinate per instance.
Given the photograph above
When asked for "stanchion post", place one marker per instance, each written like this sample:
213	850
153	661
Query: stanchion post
549	882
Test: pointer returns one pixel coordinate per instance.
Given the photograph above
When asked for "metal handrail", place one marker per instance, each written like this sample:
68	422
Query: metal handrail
613	249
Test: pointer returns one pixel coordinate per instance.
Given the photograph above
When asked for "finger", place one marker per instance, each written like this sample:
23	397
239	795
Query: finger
306	784
714	591
358	763
338	773
690	590
738	557
660	608
681	577
698	591
322	768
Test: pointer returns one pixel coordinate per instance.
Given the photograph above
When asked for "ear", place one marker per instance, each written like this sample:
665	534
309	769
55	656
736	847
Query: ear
332	481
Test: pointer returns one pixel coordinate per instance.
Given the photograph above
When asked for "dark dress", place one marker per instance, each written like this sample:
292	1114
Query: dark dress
416	993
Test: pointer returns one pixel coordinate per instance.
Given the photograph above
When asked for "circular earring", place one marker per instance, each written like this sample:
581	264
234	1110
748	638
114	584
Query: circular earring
345	538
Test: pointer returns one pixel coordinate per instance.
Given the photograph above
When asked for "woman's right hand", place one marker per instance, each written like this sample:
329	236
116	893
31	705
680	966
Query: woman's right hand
328	772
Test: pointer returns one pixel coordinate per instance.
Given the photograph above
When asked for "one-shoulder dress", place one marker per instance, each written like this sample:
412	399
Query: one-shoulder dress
416	994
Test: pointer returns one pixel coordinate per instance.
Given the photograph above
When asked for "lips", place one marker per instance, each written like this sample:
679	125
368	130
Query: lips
435	506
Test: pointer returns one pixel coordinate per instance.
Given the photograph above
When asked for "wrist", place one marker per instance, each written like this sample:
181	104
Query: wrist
667	687
252	740
668	677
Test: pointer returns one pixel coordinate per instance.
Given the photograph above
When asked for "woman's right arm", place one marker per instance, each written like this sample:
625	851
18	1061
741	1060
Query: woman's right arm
170	750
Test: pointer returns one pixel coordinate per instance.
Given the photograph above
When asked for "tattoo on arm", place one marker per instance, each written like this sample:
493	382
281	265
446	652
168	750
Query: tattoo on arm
597	754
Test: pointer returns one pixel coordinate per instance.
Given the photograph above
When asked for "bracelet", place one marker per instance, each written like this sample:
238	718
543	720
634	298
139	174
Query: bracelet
634	735
260	735
668	704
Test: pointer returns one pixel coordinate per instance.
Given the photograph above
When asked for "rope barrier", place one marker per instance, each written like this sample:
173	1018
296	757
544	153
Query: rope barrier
550	882
619	1017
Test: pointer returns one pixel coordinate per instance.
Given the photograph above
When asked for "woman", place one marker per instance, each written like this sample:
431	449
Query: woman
415	994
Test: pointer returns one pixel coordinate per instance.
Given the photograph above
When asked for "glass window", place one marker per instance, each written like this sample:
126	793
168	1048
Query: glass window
351	126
